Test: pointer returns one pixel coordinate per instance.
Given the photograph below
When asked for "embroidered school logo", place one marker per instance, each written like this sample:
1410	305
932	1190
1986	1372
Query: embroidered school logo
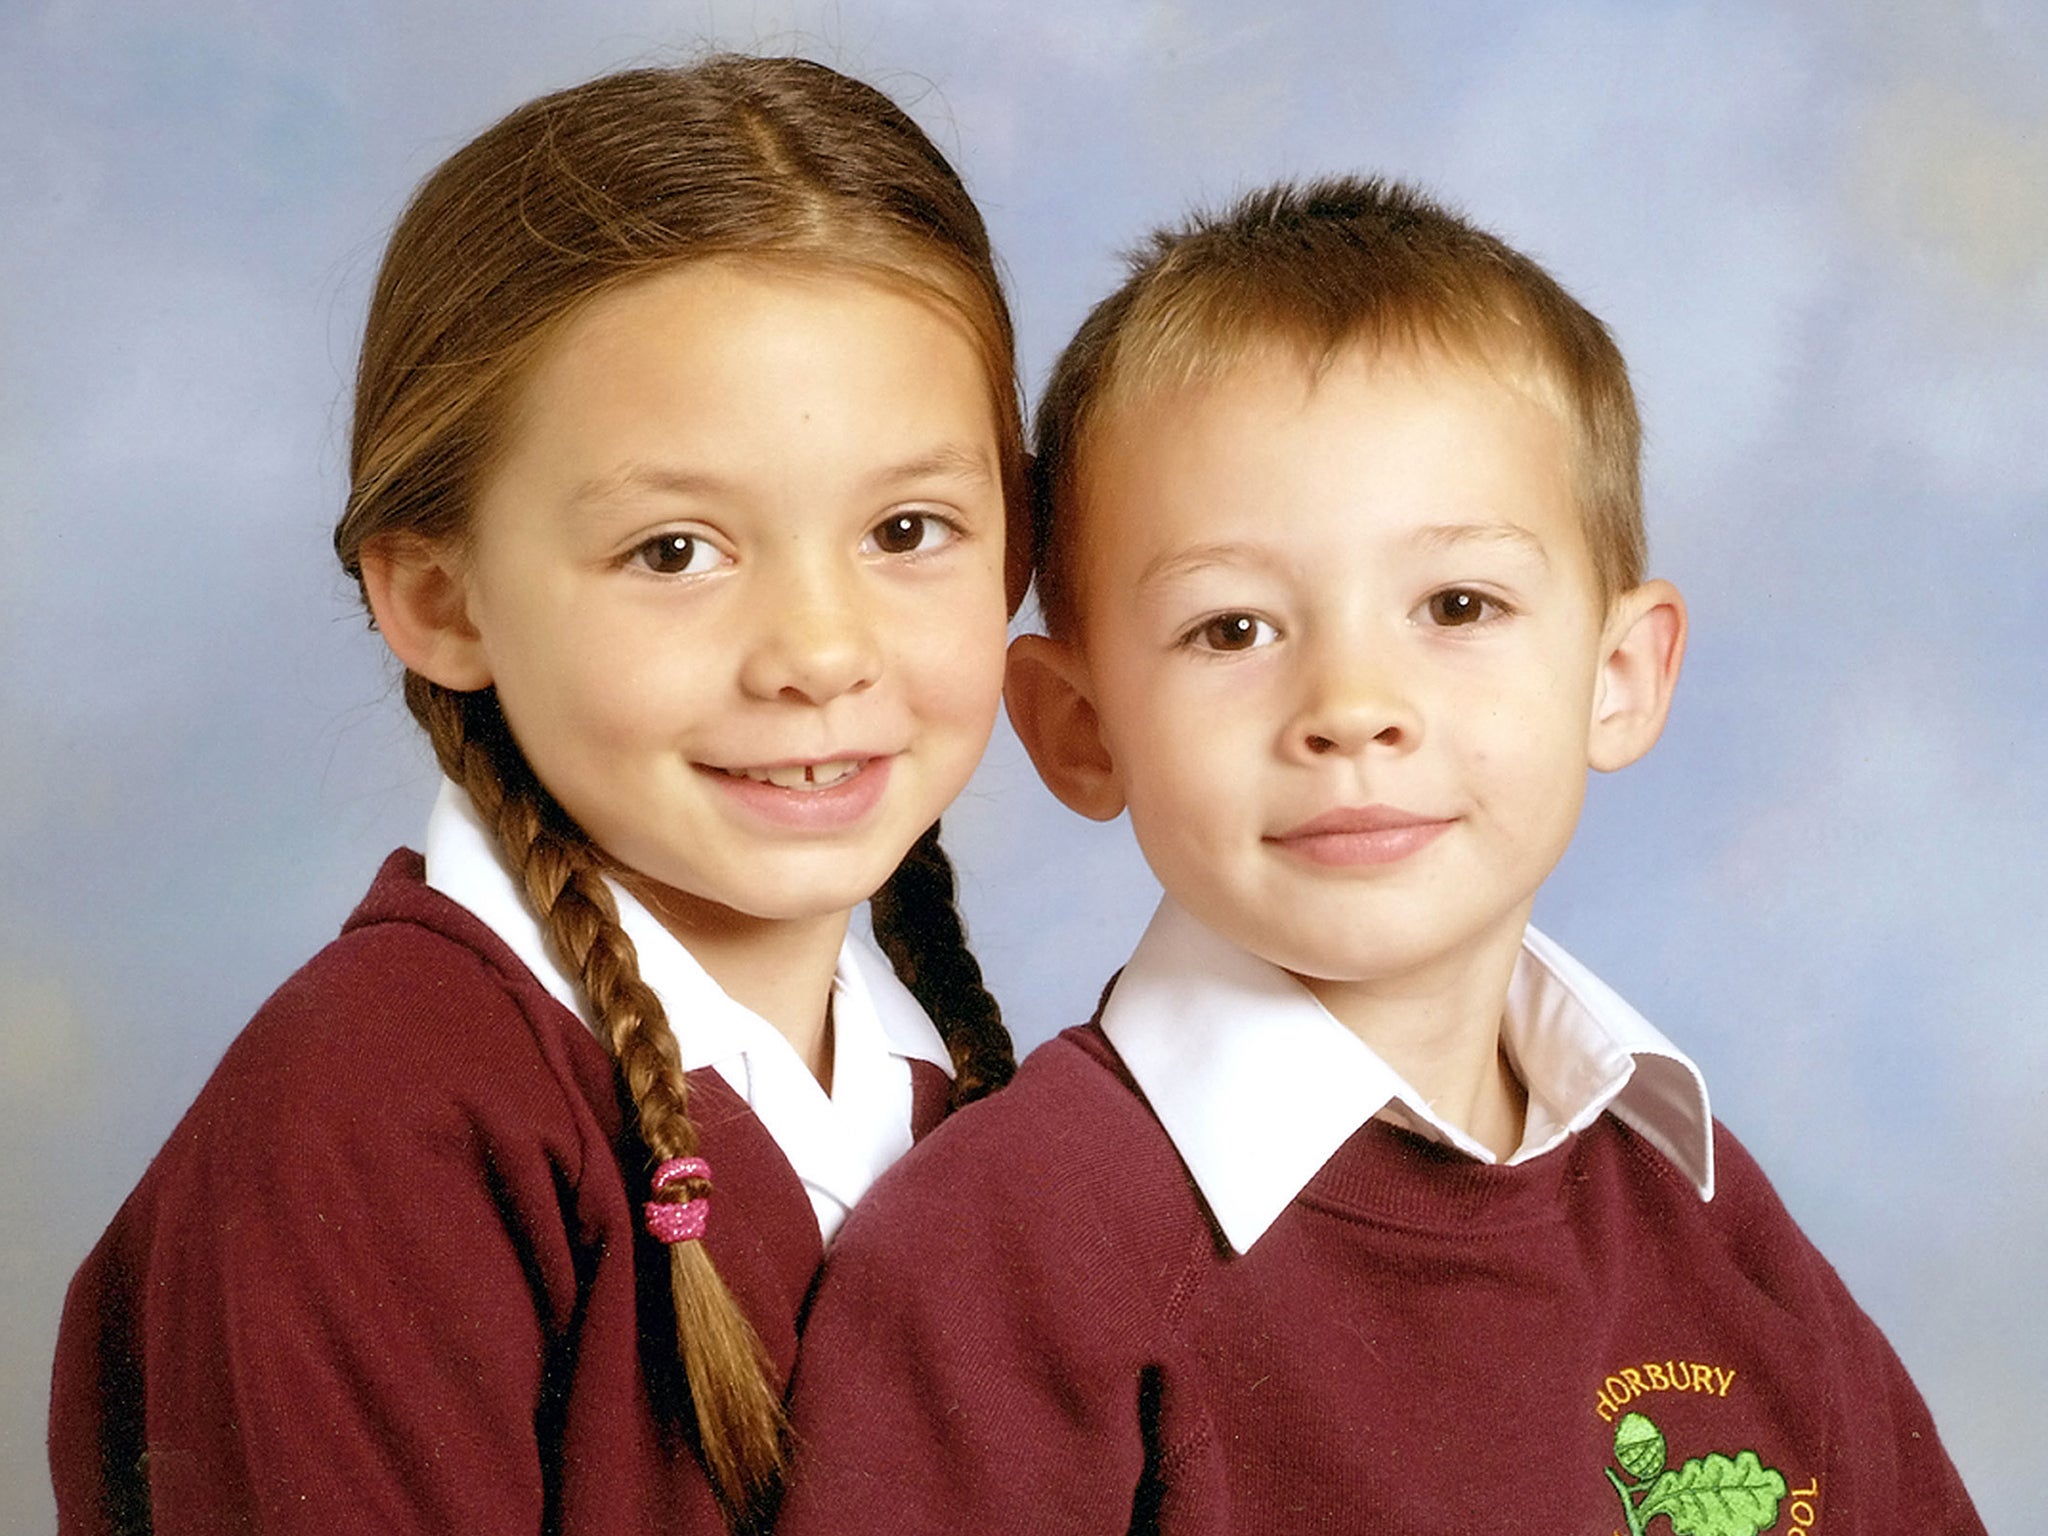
1711	1495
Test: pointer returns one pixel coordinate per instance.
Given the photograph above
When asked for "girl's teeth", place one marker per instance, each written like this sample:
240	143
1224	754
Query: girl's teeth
811	776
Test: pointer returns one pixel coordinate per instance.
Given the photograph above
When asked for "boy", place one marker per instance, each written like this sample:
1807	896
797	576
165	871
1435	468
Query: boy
1360	1206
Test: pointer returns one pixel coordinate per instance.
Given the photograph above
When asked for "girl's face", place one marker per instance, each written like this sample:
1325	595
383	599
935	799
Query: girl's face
738	579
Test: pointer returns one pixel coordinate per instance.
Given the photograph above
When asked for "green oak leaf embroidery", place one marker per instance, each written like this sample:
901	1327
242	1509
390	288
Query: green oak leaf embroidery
1712	1495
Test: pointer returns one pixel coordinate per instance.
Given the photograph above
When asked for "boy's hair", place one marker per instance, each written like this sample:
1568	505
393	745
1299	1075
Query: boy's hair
777	161
1319	268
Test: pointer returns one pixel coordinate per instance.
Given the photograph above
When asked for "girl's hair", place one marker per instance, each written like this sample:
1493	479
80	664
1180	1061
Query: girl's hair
569	198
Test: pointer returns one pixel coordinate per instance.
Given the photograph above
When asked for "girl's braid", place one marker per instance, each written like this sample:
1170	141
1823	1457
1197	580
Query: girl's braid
739	1413
917	925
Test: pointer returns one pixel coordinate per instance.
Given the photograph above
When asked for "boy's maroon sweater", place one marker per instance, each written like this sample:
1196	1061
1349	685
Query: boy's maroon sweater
1032	1325
388	1273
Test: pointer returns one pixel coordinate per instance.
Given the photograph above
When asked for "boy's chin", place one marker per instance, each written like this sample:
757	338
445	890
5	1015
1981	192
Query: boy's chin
1414	963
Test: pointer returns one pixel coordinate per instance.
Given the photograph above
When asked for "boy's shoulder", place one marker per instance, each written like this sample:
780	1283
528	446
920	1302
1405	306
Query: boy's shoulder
1761	1237
1072	1123
1066	1169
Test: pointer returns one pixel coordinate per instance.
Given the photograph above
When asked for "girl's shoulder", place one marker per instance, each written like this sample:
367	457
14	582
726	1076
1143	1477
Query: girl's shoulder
415	1026
405	945
396	1188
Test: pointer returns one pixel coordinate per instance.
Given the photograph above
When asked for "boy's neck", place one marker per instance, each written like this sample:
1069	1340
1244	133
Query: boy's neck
1441	1032
781	969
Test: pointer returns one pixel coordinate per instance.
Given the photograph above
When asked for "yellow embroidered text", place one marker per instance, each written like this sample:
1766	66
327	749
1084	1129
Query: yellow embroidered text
1634	1381
1805	1510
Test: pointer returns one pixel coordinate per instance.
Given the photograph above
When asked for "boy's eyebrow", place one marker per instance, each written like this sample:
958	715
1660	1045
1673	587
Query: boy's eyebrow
1201	557
1237	553
1451	535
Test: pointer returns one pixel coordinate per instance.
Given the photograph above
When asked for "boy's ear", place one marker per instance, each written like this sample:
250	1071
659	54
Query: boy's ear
1046	692
1642	647
420	601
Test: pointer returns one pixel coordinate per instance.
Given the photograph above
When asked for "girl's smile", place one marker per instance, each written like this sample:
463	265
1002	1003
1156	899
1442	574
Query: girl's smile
808	797
804	776
737	578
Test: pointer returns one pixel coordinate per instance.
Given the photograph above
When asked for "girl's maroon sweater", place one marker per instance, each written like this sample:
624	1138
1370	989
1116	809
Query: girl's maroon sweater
1032	1324
388	1273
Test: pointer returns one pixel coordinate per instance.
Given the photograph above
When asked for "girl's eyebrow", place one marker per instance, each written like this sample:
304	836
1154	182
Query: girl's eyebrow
667	479
949	461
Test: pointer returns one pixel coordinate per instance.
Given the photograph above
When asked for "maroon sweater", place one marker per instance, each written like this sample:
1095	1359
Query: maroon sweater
1032	1325
387	1274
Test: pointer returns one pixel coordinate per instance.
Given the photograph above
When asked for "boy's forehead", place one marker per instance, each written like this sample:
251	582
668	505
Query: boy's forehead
1152	433
1136	417
1177	367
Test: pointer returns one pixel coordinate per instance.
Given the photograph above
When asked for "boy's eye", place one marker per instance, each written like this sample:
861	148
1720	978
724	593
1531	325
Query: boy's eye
909	533
677	554
1459	605
1233	632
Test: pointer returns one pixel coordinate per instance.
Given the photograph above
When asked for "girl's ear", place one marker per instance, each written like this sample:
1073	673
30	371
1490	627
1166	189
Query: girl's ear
1046	693
1642	647
420	601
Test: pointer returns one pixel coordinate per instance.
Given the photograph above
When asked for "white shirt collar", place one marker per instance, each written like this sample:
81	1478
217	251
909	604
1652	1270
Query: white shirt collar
837	1143
1233	1054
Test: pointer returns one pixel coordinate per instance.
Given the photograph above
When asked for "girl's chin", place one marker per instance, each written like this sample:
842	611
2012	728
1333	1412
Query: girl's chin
800	896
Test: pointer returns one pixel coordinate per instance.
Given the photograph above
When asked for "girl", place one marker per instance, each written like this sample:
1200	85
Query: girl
685	433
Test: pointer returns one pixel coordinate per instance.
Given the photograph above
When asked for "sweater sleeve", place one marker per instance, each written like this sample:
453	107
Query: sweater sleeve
333	1299
986	1350
1917	1488
1891	1471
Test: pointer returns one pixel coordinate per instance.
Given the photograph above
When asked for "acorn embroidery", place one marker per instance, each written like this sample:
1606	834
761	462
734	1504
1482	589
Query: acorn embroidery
1712	1495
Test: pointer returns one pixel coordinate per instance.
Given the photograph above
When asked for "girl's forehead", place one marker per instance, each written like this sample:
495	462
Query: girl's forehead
717	384
695	307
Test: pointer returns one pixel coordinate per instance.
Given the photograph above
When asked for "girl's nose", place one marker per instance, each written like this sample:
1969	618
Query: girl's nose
813	642
1353	703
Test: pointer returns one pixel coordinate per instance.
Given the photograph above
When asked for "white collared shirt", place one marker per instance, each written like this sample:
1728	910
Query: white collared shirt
838	1143
1235	1054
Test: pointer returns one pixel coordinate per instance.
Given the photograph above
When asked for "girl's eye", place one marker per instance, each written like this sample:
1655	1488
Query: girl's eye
910	533
1233	632
1457	606
677	554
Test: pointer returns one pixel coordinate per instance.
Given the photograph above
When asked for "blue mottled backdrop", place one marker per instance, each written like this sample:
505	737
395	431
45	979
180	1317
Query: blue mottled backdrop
1820	231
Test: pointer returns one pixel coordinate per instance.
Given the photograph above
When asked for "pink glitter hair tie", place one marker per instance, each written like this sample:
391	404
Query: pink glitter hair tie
680	1221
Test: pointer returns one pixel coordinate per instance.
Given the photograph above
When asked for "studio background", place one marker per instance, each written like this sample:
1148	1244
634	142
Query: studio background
1820	232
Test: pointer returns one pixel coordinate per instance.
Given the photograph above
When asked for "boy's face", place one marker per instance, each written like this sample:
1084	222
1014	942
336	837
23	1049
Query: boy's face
1342	655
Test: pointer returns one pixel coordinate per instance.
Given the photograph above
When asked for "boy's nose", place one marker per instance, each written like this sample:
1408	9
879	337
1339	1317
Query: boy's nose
1352	706
813	641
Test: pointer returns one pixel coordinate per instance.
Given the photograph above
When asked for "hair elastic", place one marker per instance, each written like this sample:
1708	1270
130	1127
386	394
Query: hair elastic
673	1221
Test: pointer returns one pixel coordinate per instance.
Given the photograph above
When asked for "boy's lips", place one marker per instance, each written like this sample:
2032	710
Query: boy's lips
1370	834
